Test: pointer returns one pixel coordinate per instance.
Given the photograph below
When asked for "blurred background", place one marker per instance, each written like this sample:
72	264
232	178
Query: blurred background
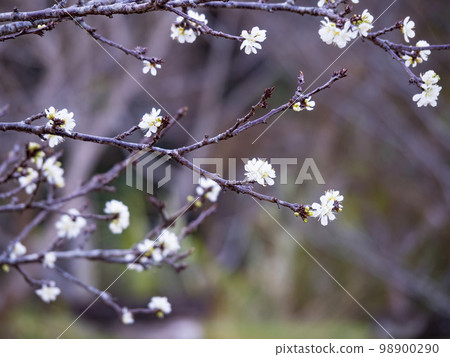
247	278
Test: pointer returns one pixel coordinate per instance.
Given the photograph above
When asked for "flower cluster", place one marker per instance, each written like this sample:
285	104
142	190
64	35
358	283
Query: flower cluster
209	188
185	30
330	33
161	305
418	56
260	171
28	180
121	220
70	225
53	172
48	292
150	67
58	119
430	90
330	203
165	245
36	154
251	44
50	168
151	122
364	23
308	104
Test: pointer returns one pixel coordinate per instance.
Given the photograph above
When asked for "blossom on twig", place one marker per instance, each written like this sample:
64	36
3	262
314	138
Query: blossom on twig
251	40
209	188
18	250
408	29
53	172
260	171
122	219
49	260
70	225
151	122
28	180
330	203
430	90
150	67
308	105
48	292
160	304
58	119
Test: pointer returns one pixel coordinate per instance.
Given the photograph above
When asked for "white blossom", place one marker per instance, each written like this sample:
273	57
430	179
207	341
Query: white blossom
324	210
166	244
211	187
431	90
364	28
53	140
309	105
151	122
412	61
182	34
408	29
65	120
330	33
169	242
334	195
48	292
28	180
37	155
419	57
365	24
423	53
160	304
50	113
196	16
145	246
429	78
157	255
70	225
150	248
330	202
18	250
53	172
133	265
127	317
122	221
327	31
428	96
49	260
251	40
344	35
150	67
185	30
260	171
61	119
